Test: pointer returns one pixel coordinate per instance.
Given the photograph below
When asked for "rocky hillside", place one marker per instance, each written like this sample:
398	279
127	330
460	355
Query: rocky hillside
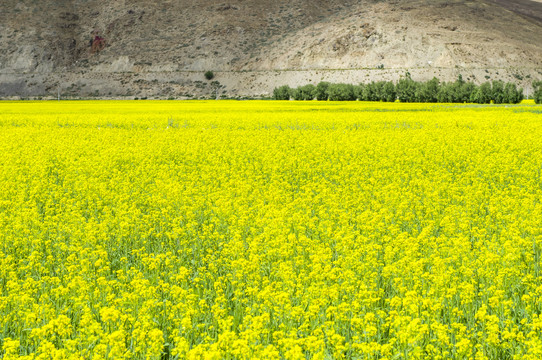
162	48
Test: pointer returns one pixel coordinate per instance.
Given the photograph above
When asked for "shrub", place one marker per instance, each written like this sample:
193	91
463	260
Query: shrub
209	75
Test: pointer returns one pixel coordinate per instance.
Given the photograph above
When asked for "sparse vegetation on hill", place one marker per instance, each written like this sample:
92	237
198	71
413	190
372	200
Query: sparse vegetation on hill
156	51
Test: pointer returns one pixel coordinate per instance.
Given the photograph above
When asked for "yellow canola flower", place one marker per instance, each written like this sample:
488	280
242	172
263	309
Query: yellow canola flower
270	230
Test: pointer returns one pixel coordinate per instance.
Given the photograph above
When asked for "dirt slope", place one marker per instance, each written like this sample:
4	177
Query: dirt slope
161	48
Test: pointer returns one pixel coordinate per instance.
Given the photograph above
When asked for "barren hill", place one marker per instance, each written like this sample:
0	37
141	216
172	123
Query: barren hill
161	48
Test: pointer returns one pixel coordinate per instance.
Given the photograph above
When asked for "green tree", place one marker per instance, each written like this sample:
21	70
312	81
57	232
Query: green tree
537	85
282	93
296	93
427	92
308	92
379	90
388	92
483	94
358	91
321	91
456	89
466	91
305	92
497	92
445	93
341	92
406	89
512	95
370	92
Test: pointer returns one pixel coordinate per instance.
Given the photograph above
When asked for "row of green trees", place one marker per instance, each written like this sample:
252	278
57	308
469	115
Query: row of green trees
408	90
537	85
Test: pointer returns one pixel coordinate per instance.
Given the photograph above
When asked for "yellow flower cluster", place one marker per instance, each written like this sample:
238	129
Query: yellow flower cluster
270	230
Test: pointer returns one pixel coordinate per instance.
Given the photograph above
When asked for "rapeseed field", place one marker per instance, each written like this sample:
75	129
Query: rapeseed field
270	230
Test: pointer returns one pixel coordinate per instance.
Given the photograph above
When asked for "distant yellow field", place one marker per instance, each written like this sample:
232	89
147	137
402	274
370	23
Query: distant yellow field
270	230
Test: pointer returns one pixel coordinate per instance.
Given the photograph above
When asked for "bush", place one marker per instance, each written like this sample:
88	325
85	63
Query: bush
537	96
341	92
282	93
321	91
209	75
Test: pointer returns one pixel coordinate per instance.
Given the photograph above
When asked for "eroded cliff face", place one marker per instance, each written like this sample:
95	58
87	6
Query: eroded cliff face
161	48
